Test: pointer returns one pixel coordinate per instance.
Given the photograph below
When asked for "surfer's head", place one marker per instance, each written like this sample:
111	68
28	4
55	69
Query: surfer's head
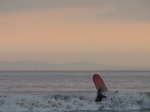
99	91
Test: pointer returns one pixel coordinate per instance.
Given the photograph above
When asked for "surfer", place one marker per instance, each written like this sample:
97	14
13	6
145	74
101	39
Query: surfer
100	96
100	86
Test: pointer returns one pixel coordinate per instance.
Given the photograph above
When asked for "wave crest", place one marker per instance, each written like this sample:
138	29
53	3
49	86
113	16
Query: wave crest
119	100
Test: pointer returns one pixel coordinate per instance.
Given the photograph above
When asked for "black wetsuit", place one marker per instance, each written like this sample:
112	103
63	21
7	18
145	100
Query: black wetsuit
100	96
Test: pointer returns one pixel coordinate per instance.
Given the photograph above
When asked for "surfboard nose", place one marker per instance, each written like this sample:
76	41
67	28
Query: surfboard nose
99	83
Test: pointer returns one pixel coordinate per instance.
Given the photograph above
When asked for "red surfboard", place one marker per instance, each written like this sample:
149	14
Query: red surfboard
99	83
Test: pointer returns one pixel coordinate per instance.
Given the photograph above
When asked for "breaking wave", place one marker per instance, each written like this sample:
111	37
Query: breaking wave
119	100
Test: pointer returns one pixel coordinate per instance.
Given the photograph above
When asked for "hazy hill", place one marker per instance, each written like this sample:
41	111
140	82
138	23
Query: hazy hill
33	65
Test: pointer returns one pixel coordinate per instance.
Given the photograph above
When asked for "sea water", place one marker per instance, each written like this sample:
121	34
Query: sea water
73	91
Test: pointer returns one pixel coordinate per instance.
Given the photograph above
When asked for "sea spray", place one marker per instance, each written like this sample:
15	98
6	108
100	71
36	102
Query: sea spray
125	100
119	100
48	103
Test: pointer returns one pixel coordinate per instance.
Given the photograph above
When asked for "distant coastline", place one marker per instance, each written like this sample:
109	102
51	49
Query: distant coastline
80	66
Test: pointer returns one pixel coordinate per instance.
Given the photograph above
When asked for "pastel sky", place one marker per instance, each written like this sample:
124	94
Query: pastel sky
113	32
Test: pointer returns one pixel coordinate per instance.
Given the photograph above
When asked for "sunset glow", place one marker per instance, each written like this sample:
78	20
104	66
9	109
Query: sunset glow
76	34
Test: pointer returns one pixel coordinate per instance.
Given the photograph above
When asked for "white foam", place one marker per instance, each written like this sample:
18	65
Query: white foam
125	100
120	100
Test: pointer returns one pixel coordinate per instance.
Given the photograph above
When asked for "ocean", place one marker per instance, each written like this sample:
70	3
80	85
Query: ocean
73	91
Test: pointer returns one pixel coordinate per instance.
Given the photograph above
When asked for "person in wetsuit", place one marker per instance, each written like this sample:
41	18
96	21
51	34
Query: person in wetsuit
100	96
